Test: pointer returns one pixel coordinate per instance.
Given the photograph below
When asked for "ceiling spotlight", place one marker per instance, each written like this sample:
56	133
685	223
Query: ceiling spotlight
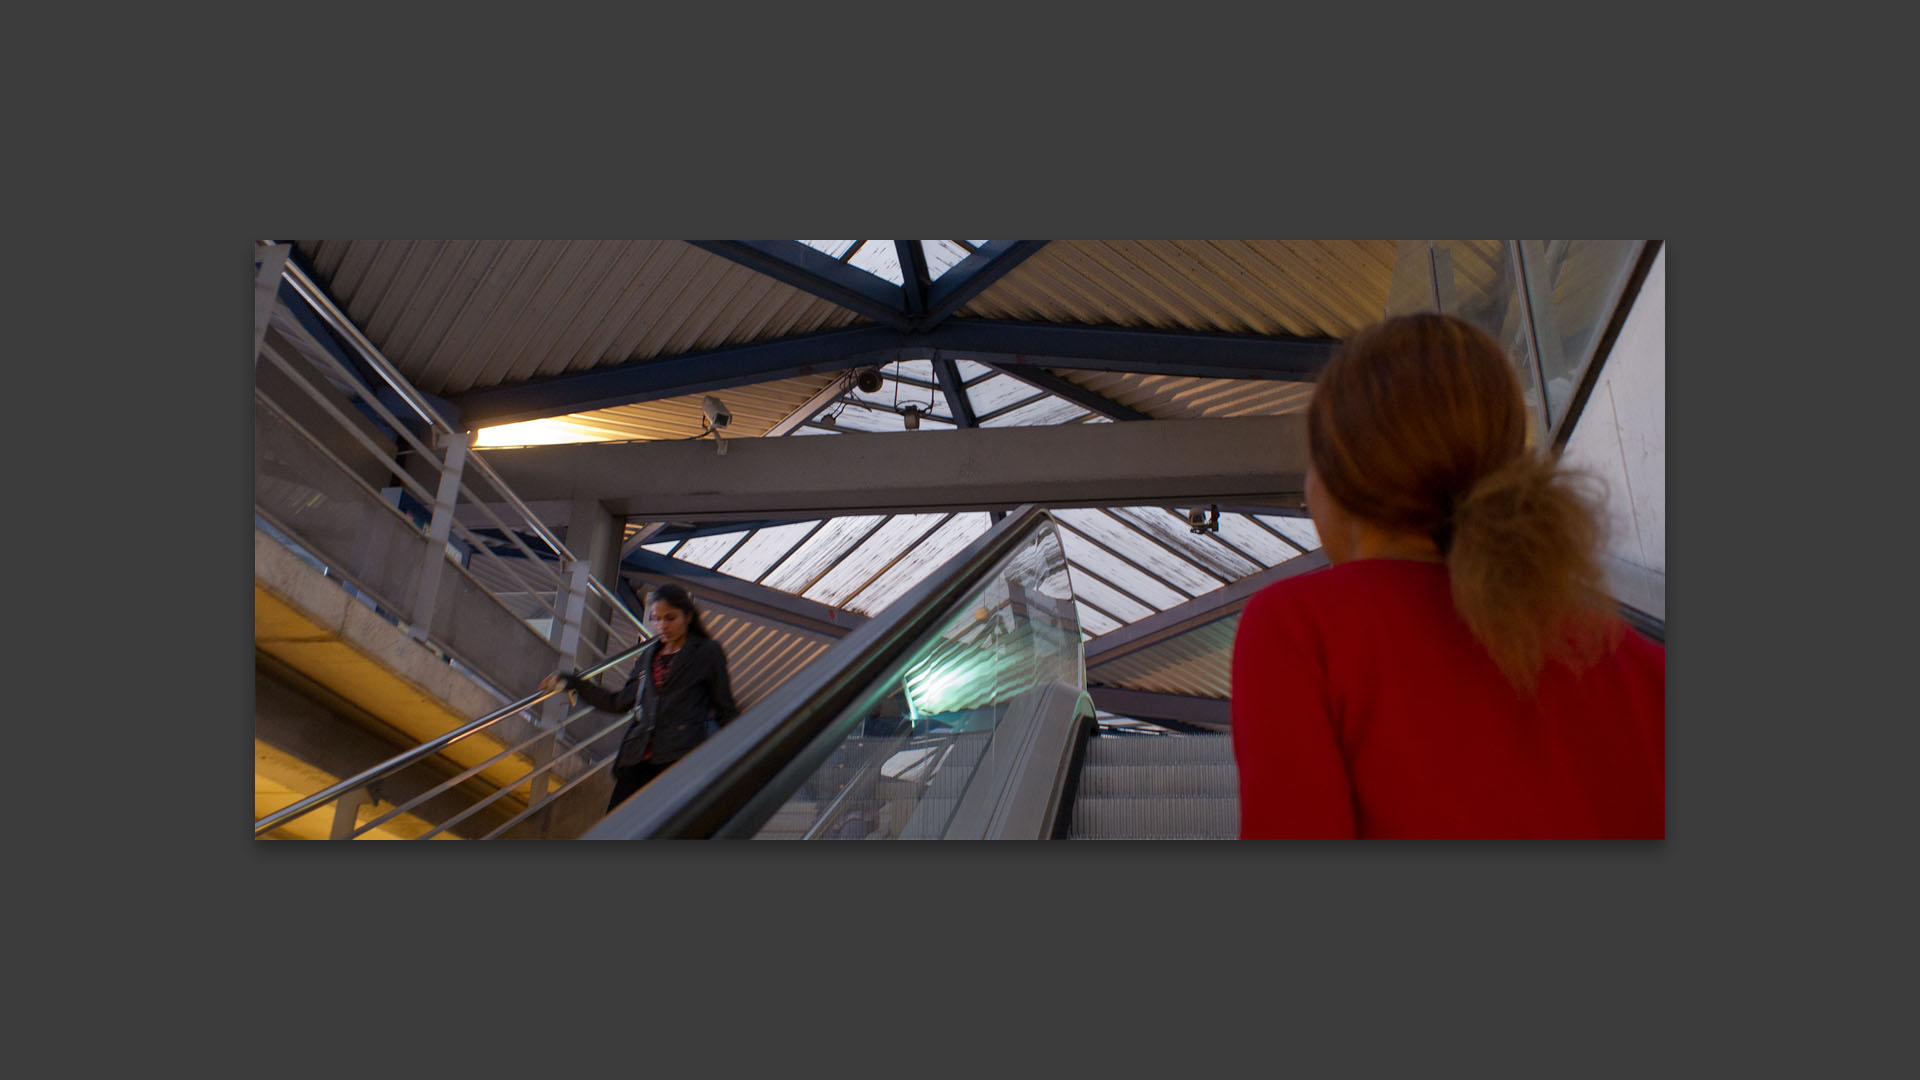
912	413
868	381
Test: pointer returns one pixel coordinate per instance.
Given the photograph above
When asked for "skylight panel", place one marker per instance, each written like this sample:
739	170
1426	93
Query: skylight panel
1089	587
1092	623
1243	534
820	553
1119	538
924	559
872	556
1297	529
1172	530
664	547
707	550
878	257
835	248
1048	410
766	547
972	370
942	255
997	392
1105	565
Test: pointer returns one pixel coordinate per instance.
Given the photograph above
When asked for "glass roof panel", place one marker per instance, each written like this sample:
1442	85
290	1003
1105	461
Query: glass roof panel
924	559
820	553
1297	529
1120	538
764	548
1131	579
1048	410
972	370
706	550
866	561
1257	542
941	255
912	369
1171	528
664	547
835	248
1092	623
877	257
997	393
1110	600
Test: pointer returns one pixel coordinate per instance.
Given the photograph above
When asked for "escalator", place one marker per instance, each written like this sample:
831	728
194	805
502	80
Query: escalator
960	712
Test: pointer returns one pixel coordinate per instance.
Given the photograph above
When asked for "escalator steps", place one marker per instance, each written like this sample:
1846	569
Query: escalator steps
1178	787
1155	819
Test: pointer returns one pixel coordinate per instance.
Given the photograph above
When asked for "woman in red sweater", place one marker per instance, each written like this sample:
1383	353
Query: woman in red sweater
1457	671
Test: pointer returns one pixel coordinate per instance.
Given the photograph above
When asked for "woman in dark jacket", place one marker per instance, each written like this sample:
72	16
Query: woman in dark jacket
680	682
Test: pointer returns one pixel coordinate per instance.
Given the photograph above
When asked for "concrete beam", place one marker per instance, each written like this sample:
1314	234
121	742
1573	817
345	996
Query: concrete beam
1229	460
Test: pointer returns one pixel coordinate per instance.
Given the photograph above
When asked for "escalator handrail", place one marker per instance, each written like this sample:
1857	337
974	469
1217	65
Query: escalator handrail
708	787
428	749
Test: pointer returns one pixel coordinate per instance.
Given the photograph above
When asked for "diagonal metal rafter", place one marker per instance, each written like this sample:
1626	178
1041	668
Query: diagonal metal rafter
1021	349
970	277
816	272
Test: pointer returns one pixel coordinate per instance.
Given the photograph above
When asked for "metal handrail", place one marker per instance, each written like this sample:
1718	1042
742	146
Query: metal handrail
428	749
720	778
474	770
332	315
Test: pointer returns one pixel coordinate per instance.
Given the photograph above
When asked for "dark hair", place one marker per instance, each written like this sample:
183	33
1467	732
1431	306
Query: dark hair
1418	424
675	596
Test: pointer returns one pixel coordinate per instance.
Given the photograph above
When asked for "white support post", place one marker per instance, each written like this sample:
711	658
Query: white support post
266	291
346	813
426	594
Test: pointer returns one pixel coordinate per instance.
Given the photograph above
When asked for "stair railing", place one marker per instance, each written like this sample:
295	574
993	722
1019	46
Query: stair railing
434	746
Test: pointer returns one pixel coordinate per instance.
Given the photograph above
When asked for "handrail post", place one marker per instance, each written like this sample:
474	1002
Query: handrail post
266	287
427	592
346	813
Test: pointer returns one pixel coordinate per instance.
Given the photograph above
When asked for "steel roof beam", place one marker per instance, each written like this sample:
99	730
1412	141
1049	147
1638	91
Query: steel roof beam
742	596
1042	379
816	272
674	376
1195	354
1022	349
970	276
957	404
913	275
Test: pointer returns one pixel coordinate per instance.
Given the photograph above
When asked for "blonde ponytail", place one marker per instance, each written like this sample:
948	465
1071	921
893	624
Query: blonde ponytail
1521	558
1418	425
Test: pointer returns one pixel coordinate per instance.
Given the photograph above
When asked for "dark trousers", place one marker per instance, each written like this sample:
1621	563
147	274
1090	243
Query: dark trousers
628	779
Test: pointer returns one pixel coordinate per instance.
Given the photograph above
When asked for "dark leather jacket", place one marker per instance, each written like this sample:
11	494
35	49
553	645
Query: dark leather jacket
675	716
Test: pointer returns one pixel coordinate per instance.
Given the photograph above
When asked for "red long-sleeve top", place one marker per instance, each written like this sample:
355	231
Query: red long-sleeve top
1363	707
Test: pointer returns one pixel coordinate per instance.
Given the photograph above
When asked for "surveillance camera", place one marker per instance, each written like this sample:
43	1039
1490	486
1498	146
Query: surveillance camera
717	414
868	381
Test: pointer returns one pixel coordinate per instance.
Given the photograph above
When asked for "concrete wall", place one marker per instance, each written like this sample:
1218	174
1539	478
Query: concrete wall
1621	437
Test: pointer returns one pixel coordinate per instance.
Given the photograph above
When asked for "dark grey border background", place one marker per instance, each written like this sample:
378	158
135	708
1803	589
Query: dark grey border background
1548	960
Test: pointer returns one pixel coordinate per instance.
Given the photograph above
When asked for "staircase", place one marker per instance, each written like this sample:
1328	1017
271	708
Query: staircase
1173	787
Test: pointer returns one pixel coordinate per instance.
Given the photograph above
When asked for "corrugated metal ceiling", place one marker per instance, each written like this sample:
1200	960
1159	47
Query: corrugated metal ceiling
453	315
1303	288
